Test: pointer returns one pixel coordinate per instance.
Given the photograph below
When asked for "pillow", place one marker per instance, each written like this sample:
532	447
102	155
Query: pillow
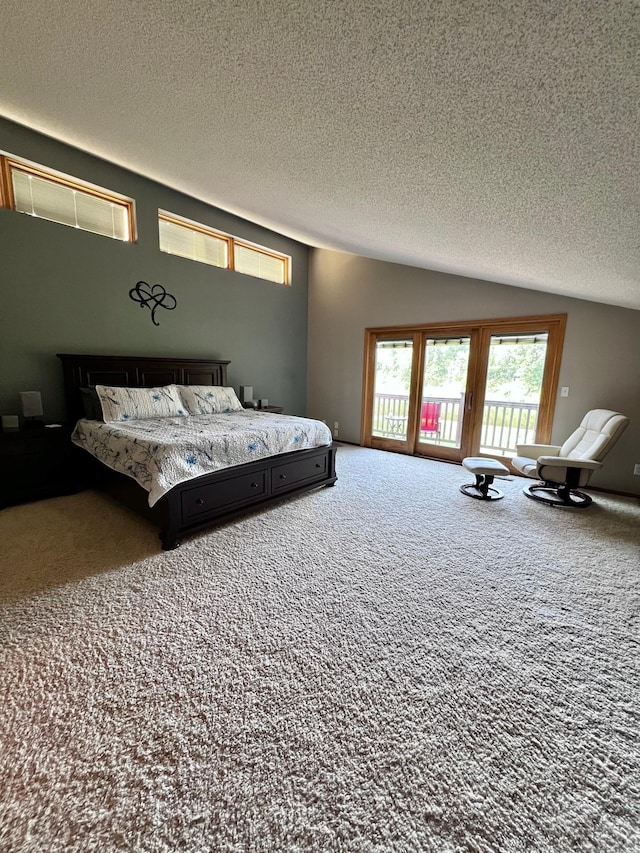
91	403
128	404
208	399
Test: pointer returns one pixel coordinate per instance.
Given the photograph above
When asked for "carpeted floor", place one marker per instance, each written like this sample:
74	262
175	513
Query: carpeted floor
386	665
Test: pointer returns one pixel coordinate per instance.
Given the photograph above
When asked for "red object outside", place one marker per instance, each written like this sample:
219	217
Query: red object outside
430	417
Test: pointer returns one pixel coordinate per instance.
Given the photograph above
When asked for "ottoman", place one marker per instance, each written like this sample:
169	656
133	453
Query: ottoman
485	470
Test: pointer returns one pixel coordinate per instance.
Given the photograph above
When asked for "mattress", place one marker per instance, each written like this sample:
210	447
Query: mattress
160	453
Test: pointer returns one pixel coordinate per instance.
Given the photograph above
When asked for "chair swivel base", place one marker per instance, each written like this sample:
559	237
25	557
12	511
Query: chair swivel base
485	470
548	493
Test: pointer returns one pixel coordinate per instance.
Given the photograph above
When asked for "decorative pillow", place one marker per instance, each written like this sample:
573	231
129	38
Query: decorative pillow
208	399
91	403
129	404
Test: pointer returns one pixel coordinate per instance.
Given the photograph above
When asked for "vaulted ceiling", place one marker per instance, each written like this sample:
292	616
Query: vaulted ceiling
497	139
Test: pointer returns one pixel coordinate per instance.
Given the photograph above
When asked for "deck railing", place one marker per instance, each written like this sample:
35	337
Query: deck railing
504	424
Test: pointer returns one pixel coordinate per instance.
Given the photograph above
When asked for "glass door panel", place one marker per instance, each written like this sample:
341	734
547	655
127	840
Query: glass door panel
513	388
444	384
391	388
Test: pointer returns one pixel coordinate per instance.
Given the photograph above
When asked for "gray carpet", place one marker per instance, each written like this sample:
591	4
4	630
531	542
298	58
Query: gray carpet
386	665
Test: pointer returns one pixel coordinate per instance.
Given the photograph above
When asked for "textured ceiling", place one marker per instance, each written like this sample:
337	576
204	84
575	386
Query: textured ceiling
498	140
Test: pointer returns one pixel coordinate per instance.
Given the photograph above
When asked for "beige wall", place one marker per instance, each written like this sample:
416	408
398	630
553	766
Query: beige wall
600	363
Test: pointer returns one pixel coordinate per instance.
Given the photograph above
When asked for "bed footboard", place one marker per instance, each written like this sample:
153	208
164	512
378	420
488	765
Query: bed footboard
215	498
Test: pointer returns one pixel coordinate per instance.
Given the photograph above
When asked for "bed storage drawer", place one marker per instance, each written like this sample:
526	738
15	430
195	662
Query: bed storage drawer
300	471
230	492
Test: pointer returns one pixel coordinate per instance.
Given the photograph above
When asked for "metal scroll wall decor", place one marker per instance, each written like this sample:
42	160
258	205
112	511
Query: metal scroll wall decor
152	297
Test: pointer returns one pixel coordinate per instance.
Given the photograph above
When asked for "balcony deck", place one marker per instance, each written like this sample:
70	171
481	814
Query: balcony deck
504	424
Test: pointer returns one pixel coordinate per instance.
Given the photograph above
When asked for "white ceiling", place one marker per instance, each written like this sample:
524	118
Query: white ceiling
497	139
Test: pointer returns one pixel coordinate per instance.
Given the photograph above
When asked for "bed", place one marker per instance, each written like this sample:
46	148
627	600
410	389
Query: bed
205	500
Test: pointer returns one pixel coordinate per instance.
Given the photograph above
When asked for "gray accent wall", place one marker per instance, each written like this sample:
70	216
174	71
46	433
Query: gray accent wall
64	290
600	362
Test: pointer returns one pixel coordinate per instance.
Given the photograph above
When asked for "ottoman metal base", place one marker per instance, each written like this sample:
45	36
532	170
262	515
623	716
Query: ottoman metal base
485	470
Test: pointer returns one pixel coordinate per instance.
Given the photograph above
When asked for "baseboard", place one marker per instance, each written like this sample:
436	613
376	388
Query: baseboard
613	492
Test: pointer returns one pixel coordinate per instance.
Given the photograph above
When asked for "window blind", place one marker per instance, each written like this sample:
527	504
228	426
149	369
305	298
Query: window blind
59	202
252	261
189	243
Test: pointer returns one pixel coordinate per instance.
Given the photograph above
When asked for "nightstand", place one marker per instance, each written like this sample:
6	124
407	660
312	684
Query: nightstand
275	409
35	463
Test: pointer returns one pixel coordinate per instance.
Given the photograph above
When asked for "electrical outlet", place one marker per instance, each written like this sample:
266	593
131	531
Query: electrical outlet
636	469
564	391
335	429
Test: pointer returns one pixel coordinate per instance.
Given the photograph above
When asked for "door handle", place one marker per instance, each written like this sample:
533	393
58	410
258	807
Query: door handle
470	400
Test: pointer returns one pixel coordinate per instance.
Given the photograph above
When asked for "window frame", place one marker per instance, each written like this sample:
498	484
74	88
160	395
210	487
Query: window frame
9	163
231	241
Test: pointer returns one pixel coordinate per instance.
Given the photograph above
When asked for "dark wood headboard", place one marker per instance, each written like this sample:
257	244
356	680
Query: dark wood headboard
81	371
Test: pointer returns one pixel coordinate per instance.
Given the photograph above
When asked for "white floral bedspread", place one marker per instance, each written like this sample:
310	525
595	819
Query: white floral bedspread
159	453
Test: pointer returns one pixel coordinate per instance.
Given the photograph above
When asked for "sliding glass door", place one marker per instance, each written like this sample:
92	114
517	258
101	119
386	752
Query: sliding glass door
454	390
443	396
512	393
392	386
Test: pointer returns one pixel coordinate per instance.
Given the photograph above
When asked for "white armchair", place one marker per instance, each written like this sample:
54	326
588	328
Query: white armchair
564	469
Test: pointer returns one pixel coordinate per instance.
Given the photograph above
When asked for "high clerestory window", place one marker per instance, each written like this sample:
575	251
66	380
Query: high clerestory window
38	191
188	239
